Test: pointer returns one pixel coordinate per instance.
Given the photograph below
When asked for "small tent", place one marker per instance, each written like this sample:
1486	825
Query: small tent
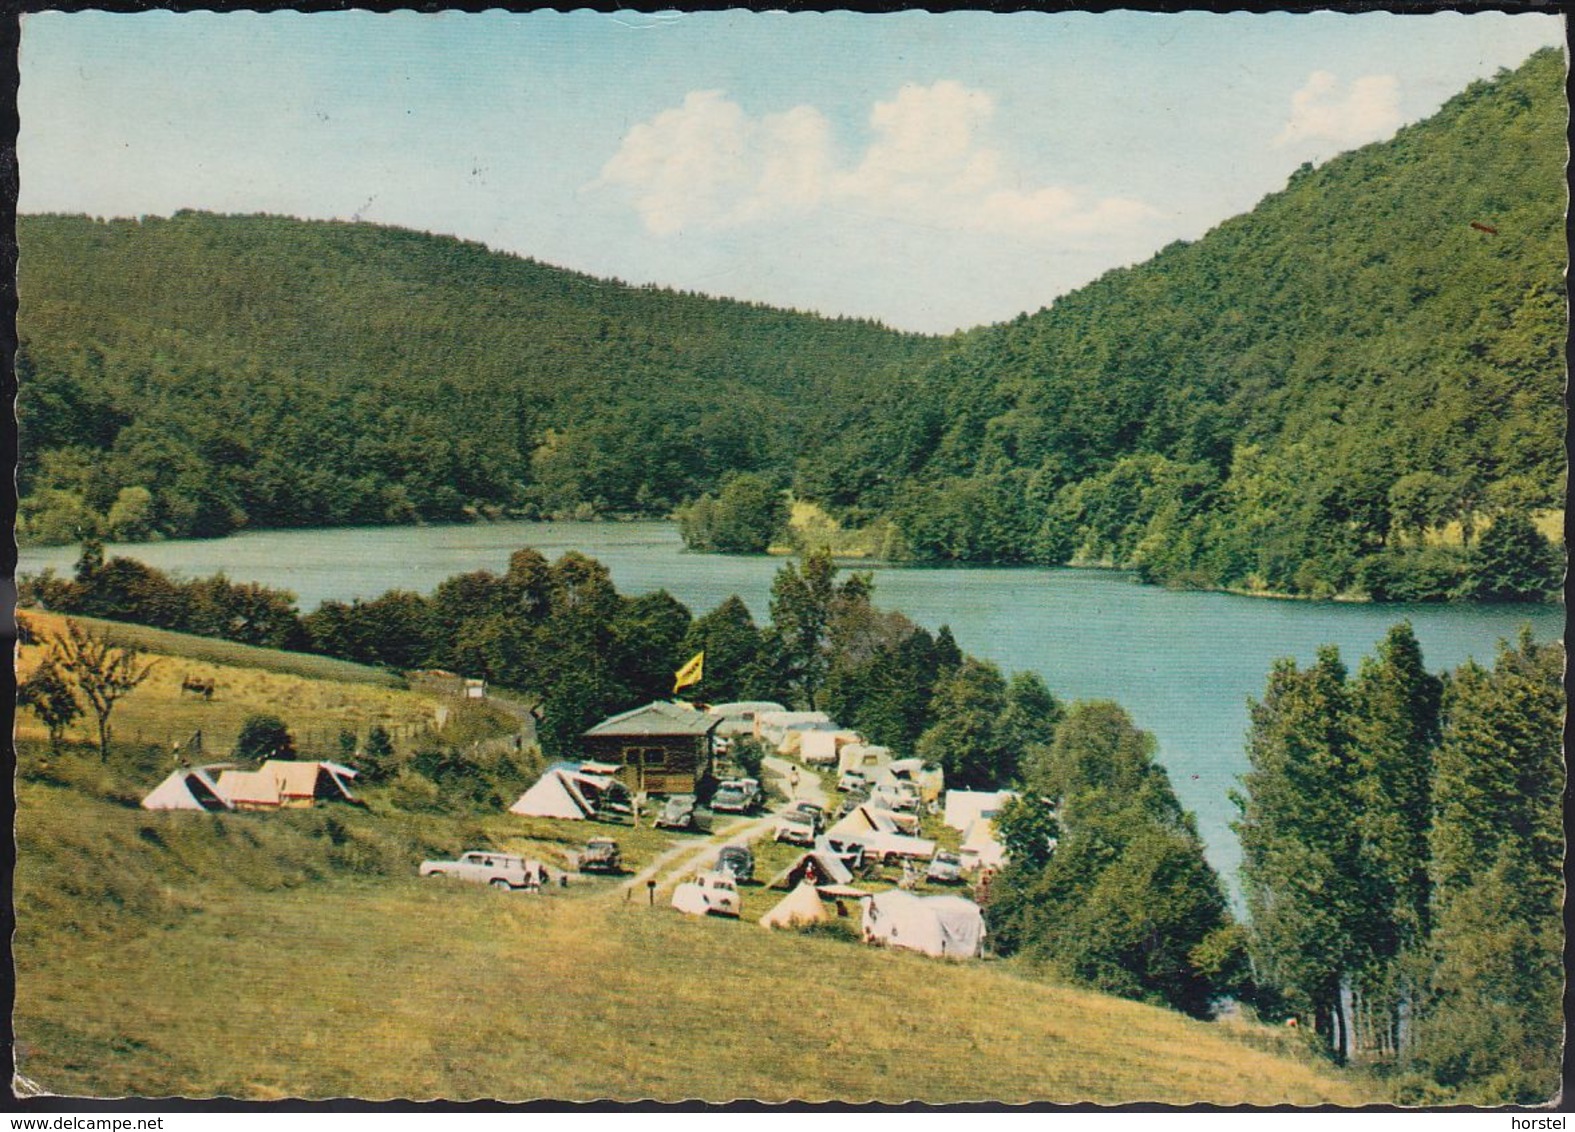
799	907
948	926
556	794
189	788
820	865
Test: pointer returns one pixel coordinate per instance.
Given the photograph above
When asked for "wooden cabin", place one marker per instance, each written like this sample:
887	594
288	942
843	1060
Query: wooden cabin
661	748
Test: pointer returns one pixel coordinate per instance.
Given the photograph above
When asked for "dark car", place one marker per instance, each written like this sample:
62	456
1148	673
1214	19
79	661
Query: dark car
816	813
601	855
738	861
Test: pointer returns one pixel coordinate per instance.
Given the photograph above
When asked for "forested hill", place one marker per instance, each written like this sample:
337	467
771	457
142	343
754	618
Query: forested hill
190	375
1323	395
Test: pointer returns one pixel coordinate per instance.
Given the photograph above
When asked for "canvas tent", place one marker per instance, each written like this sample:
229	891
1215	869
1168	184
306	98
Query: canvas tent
771	727
868	819
980	847
948	926
965	807
189	788
863	757
820	747
818	866
250	789
739	718
302	783
801	906
566	791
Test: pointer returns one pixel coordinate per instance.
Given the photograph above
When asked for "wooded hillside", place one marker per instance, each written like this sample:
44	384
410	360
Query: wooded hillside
190	375
1316	396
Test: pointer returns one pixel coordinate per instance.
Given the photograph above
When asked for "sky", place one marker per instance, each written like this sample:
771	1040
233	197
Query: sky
935	172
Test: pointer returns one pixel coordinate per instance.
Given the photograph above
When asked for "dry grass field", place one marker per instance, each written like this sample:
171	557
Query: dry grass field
315	696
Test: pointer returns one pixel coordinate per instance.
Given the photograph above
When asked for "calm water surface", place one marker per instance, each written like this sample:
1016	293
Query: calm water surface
1183	664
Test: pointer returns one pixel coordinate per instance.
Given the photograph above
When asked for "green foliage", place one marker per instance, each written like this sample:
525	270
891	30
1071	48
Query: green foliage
378	761
421	378
1427	931
1292	403
1513	562
748	516
735	668
50	694
1125	899
101	673
804	601
264	737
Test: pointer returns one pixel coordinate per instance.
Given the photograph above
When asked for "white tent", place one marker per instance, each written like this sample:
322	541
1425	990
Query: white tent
772	726
980	847
801	906
557	794
820	865
739	718
820	747
948	926
189	788
965	807
862	757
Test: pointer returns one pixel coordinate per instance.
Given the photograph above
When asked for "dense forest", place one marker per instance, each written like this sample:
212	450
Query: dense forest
192	375
1339	391
1353	389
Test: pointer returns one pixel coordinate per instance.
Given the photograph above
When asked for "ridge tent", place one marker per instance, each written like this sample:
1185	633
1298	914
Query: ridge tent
820	747
980	847
302	783
250	790
946	926
862	757
801	906
189	788
965	807
816	867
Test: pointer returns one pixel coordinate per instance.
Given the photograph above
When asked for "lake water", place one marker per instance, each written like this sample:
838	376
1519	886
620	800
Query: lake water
1183	664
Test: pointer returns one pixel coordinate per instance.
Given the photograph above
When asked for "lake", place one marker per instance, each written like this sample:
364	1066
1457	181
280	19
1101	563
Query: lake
1183	664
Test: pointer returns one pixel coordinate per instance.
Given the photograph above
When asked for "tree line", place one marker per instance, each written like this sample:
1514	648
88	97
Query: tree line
1403	847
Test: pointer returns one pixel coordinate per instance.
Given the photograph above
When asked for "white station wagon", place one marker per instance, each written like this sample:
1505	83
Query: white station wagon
497	869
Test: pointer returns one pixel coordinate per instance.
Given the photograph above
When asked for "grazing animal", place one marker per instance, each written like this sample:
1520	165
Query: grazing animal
203	688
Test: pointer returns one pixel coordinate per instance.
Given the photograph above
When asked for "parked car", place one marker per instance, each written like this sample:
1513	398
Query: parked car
500	870
737	796
737	860
852	780
945	868
713	894
601	855
796	828
681	811
815	812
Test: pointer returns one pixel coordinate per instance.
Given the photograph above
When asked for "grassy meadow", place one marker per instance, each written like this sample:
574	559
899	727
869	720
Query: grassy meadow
316	696
267	956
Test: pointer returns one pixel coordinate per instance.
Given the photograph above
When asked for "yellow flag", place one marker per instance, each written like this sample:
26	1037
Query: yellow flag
691	673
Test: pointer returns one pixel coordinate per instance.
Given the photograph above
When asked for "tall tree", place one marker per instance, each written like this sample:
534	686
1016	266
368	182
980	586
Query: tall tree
1301	866
48	692
802	604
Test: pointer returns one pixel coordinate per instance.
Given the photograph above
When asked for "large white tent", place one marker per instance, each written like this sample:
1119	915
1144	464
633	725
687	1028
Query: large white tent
965	807
556	794
947	926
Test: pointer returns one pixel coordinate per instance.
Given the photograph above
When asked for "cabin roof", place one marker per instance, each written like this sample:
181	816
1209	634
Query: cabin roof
659	718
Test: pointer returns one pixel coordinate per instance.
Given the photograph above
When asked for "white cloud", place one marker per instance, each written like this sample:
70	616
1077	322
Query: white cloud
709	165
1368	110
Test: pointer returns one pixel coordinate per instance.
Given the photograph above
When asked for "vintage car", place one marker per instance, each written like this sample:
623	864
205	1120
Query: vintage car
709	894
852	780
681	811
796	828
737	796
738	861
600	855
501	870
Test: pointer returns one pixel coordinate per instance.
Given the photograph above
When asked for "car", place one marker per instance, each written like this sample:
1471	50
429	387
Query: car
601	855
816	813
796	828
737	796
501	870
852	780
737	860
945	868
709	894
681	811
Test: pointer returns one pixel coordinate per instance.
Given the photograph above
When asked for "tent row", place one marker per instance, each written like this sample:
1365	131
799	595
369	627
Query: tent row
277	784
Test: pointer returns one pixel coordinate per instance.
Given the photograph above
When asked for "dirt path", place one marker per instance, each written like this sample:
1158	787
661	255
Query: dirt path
685	858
